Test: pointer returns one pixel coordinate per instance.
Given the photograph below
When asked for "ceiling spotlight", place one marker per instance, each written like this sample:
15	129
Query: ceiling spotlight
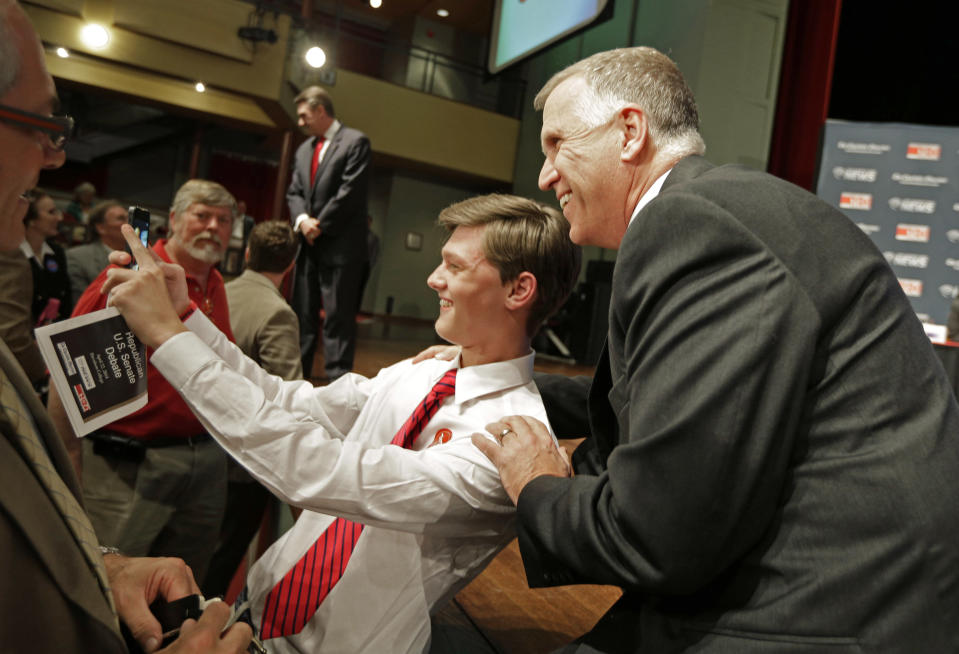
95	36
442	13
315	57
62	52
376	4
200	87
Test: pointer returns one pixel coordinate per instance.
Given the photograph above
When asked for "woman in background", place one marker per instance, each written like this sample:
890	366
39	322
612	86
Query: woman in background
48	263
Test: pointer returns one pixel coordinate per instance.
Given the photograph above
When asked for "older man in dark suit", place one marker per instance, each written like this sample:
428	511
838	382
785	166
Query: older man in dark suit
773	446
327	200
61	592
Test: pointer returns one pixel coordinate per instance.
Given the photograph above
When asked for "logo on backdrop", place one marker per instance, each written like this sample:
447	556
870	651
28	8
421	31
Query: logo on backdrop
853	147
949	291
908	179
854	174
916	233
953	235
860	201
867	228
952	263
924	151
912	205
911	287
907	259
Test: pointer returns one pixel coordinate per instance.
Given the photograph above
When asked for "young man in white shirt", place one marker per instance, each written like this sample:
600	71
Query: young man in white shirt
434	514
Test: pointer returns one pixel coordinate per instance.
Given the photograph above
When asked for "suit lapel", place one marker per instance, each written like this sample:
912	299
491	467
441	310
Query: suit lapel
47	432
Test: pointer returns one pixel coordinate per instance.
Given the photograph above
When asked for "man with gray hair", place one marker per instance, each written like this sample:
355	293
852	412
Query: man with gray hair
772	456
155	482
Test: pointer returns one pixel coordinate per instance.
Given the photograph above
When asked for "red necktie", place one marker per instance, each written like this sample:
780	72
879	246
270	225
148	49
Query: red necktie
316	158
296	597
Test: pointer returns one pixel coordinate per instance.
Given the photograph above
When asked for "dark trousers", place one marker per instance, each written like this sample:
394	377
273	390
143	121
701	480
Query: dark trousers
336	289
245	503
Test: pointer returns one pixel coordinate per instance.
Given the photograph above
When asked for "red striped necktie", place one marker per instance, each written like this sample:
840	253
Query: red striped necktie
295	598
316	158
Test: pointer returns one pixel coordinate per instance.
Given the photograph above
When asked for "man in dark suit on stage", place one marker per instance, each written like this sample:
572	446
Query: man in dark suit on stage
61	591
773	448
327	200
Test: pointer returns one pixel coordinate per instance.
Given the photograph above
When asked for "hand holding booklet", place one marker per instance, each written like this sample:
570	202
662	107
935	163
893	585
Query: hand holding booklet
98	367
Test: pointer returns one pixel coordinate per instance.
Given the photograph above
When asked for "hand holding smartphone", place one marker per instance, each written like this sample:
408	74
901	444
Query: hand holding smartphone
140	221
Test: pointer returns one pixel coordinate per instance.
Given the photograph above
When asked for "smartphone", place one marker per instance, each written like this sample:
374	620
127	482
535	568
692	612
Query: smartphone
140	221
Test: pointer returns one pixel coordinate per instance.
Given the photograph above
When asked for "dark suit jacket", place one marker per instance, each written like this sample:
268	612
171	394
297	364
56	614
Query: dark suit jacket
337	198
774	452
51	601
51	280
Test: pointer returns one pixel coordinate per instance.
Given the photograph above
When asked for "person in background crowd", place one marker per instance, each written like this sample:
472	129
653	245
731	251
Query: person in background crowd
61	593
327	200
154	482
77	212
372	254
952	324
266	330
85	262
52	299
773	447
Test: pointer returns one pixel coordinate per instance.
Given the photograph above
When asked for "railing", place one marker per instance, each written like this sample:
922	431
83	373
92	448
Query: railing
367	51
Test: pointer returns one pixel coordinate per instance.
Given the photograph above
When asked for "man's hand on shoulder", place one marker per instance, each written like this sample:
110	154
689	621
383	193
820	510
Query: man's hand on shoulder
522	450
441	352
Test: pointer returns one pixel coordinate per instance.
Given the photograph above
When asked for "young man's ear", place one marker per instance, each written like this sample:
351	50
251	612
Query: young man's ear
522	291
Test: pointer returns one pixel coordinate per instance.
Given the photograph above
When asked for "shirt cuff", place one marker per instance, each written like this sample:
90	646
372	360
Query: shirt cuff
298	220
182	355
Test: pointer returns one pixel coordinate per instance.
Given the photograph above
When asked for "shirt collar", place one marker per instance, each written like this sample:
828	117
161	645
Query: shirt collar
649	195
28	252
476	381
332	130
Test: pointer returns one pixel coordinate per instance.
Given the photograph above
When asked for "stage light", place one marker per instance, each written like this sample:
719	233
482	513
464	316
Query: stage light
95	36
442	13
200	87
315	57
62	52
376	4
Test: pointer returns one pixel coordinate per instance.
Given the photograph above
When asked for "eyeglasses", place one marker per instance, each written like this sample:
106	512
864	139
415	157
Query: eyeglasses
57	129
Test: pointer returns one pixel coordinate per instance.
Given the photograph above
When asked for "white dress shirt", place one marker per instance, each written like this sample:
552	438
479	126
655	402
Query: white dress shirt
435	514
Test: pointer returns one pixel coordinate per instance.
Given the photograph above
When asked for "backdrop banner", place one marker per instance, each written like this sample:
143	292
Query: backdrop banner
900	184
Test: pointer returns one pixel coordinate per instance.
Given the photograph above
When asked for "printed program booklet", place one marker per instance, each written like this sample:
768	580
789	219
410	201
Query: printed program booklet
98	367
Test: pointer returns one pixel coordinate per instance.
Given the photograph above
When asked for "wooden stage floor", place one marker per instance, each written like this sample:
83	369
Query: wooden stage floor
497	612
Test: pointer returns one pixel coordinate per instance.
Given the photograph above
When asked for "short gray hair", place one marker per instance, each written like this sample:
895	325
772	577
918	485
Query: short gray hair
642	76
202	191
9	52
